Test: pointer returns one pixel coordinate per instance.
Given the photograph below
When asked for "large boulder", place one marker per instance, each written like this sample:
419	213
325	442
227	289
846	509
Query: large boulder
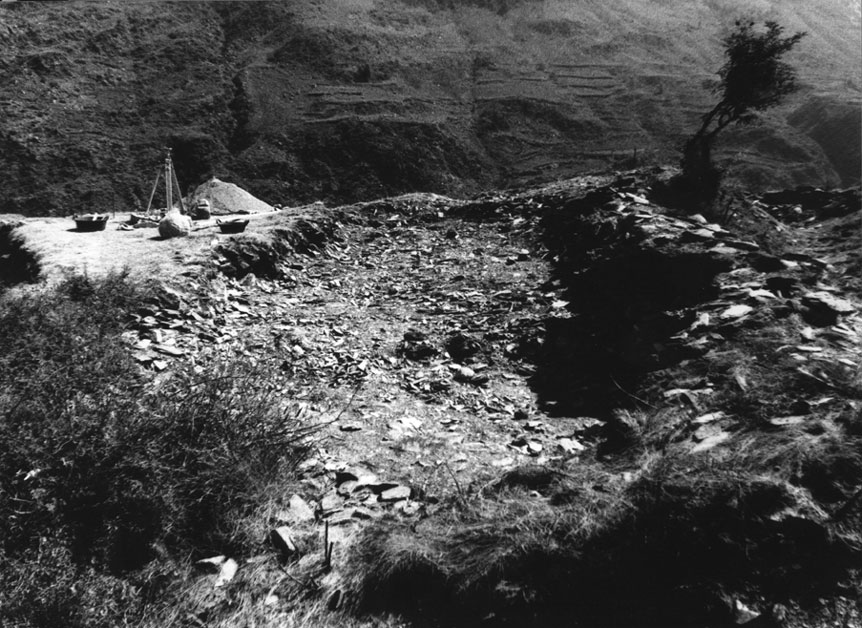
227	198
175	225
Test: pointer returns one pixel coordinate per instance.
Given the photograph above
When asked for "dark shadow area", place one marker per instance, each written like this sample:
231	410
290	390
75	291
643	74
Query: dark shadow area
17	264
627	298
675	558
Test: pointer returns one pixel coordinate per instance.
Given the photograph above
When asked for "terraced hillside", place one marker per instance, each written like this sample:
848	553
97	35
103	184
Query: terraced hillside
353	99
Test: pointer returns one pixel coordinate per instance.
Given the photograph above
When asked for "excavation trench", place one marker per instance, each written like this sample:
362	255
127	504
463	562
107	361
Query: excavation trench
628	292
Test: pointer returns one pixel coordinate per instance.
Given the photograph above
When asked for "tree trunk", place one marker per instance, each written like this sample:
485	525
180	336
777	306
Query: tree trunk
701	176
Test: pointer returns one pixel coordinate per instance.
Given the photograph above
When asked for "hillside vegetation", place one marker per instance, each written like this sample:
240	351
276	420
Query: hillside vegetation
343	100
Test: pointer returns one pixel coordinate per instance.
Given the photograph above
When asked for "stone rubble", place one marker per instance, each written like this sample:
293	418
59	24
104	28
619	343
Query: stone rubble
465	347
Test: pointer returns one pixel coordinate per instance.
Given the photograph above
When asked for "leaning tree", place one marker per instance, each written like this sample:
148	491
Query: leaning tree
752	79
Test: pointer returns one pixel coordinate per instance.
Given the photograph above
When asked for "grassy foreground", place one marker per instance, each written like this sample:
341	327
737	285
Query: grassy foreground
109	481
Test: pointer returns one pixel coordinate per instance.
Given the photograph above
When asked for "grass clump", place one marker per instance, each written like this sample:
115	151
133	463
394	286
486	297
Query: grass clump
676	542
101	471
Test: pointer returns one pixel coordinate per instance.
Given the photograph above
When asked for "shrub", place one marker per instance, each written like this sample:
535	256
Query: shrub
752	79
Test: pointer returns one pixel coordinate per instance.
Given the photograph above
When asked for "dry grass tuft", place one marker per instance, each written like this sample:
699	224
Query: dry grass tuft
668	544
102	472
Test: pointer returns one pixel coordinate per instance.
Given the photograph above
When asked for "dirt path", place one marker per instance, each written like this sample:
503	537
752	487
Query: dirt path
61	249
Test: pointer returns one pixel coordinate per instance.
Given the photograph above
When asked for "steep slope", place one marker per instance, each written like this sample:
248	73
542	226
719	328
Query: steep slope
352	99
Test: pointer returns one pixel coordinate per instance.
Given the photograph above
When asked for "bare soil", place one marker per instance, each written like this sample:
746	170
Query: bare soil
61	249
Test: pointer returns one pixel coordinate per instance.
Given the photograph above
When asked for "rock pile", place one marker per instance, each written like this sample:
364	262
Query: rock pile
807	202
228	198
648	292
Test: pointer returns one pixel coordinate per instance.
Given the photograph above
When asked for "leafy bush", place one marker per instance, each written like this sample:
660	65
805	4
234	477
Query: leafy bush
100	469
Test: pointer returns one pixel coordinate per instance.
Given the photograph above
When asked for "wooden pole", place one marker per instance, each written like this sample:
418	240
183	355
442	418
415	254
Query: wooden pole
153	193
179	191
169	181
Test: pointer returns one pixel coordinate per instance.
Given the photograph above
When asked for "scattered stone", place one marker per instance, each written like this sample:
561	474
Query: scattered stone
365	513
416	346
461	346
211	565
741	244
778	614
282	539
736	311
709	418
227	572
378	487
764	263
346	488
414	335
465	374
807	333
822	309
330	503
787	421
144	357
521	415
743	614
762	295
785	286
706	431
312	464
169	350
366	480
697	235
723	250
809	348
346	475
587	426
407	507
405	424
350	427
299	510
340	517
395	494
534	448
570	446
